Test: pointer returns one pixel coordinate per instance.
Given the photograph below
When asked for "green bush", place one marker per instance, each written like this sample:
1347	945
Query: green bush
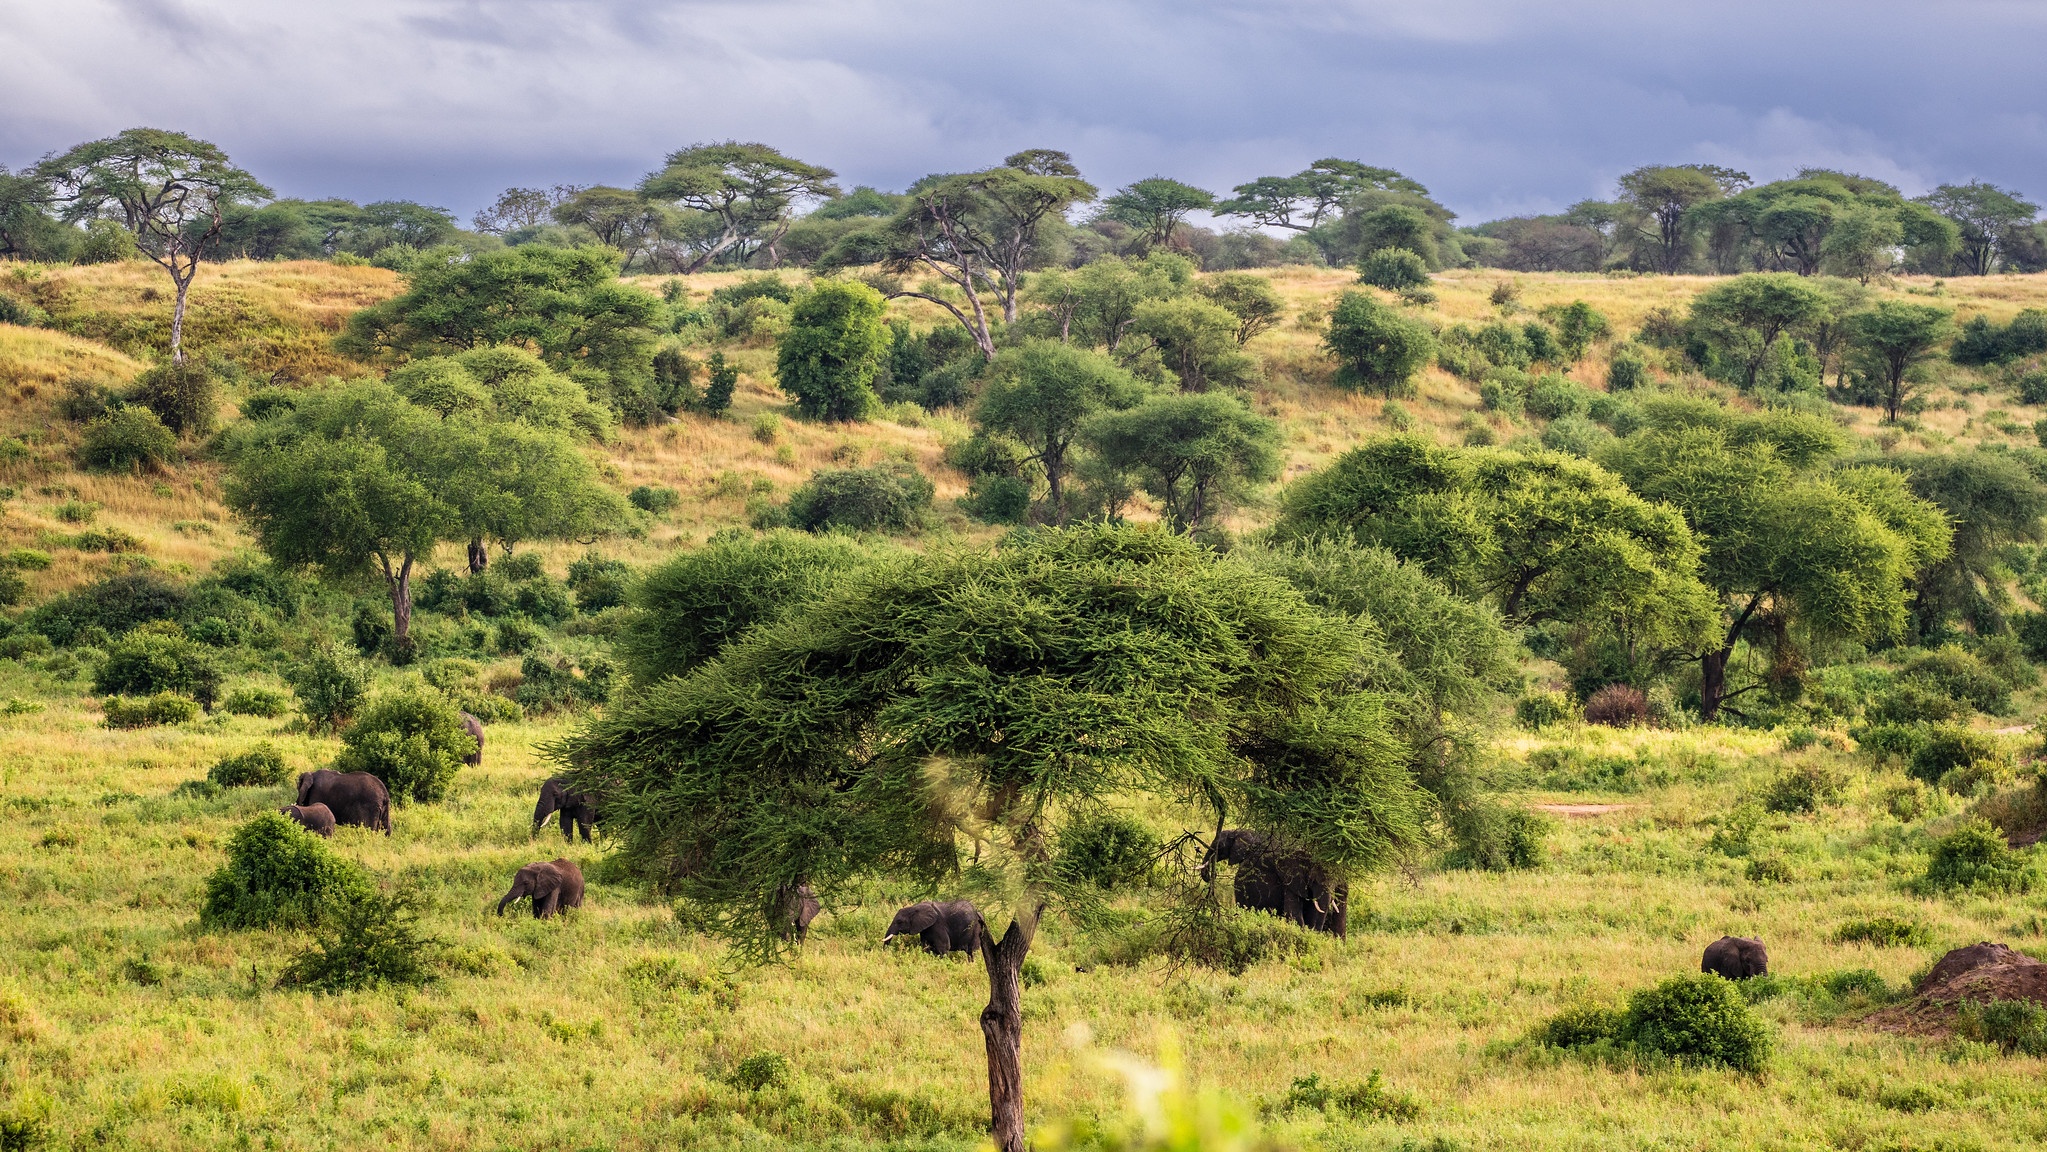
523	566
1106	849
162	708
112	604
655	499
1947	747
997	499
265	702
1698	1019
157	658
261	766
1626	371
599	583
1914	702
1370	1099
1497	837
761	1070
890	497
1553	397
412	741
1956	672
2014	1025
1394	269
130	439
1975	857
1582	1026
1883	932
1891	741
365	940
555	684
277	875
329	685
1539	710
835	345
184	396
1769	870
1803	788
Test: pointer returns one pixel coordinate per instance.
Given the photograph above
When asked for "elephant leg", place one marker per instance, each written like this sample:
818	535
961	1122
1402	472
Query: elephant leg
585	826
568	828
544	903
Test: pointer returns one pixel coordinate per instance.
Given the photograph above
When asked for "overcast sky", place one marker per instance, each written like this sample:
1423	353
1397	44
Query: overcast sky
1500	107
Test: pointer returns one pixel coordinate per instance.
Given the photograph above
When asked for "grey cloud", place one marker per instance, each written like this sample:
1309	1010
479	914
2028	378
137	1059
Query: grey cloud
1500	107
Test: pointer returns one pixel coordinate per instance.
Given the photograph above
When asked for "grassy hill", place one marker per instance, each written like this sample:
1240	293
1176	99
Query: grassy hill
123	1023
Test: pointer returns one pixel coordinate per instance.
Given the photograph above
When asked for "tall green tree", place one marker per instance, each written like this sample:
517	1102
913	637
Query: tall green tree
1193	452
1313	196
1665	194
1155	206
1040	393
1375	347
1893	336
1794	552
1989	219
168	188
835	345
1746	316
745	195
958	704
1251	299
1990	499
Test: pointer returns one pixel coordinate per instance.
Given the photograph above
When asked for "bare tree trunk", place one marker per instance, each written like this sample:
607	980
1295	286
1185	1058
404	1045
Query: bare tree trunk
1712	682
1002	1028
401	608
184	285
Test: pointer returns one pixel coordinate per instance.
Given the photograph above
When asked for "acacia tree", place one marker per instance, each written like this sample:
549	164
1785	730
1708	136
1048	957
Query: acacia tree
1892	337
1190	451
1749	313
168	188
1155	206
1316	193
1666	193
978	701
620	219
1039	393
1374	346
1988	217
747	193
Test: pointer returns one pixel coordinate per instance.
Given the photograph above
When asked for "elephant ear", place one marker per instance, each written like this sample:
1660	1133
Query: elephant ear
916	918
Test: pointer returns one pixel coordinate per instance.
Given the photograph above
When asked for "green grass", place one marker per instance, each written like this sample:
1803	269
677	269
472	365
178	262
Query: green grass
614	1028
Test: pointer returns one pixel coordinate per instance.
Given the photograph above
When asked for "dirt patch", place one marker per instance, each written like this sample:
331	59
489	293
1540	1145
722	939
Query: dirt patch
1980	972
1580	811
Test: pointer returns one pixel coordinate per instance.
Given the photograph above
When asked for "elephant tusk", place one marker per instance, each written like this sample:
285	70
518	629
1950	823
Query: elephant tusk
887	938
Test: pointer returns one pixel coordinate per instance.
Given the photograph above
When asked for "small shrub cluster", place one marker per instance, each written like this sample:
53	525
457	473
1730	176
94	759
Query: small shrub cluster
412	741
655	499
558	684
261	766
892	497
1497	837
1370	1099
277	875
329	685
1693	1019
1975	857
1803	788
128	440
1618	706
2016	1026
1107	850
1539	710
1883	932
147	712
159	658
268	703
365	939
761	1070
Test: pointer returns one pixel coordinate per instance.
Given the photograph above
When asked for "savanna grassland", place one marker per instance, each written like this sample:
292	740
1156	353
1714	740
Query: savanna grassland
126	1023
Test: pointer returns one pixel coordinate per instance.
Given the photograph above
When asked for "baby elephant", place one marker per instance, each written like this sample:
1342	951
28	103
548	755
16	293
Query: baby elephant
315	818
955	926
553	885
1736	957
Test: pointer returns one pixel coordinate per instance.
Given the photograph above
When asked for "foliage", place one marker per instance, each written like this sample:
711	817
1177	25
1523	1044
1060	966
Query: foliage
1106	849
184	395
1883	932
111	605
1974	857
1193	452
277	875
1394	269
1039	394
1155	206
1539	710
1370	1098
364	939
834	347
1803	788
891	497
1746	316
557	684
133	439
1497	837
260	767
148	712
1375	347
149	660
1617	706
655	499
1890	338
1694	1019
329	684
2016	1026
997	499
412	741
1946	747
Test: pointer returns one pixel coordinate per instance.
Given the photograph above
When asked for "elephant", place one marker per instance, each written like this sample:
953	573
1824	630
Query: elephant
354	797
954	926
474	727
1289	884
579	811
315	818
1736	957
799	907
553	885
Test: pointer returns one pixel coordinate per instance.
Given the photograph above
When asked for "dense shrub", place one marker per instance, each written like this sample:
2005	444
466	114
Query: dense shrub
1975	857
1539	710
1375	347
1618	706
1914	702
148	712
997	499
761	1070
128	439
656	499
1803	788
599	583
2014	1025
366	939
1497	837
1368	1100
1106	849
1694	1019
266	702
1891	741
1946	747
277	875
890	497
412	741
522	566
158	658
113	604
554	684
544	600
1956	672
185	396
1394	269
1883	932
1553	397
329	685
260	766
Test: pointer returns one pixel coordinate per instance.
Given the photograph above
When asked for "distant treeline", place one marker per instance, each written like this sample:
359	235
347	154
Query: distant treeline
739	205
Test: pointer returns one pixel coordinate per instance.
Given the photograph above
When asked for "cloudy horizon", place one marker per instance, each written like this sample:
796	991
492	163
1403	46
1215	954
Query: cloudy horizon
1498	109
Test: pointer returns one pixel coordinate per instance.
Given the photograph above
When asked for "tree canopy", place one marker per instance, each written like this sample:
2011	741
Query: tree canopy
745	195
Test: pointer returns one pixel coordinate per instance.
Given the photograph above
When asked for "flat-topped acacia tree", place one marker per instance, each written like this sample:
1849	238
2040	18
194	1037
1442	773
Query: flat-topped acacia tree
936	705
